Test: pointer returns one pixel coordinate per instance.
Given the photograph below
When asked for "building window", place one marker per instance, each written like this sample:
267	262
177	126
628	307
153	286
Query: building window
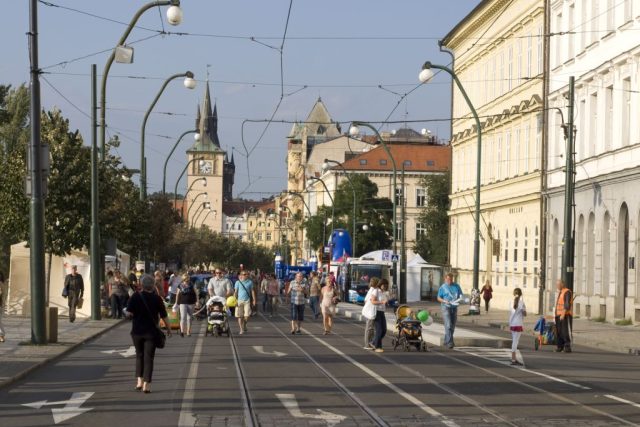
227	226
510	65
609	120
583	20
507	154
520	75
268	236
626	111
363	161
258	236
571	37
383	162
399	231
407	163
611	16
537	152
535	246
250	236
628	10
239	226
421	197
595	20
431	162
529	72
516	149
420	230
540	56
593	119
499	158
558	42
502	73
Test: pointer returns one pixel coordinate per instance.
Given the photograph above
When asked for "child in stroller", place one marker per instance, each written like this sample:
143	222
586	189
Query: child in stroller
217	321
408	331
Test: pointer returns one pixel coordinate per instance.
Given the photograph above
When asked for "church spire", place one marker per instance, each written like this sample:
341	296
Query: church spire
208	120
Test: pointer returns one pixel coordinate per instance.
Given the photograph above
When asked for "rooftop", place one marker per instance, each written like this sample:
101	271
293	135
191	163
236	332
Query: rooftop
416	158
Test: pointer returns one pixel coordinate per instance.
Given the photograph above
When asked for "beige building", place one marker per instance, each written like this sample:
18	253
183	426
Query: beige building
503	76
419	155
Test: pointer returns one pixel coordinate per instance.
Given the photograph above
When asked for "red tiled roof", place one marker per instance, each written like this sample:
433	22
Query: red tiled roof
418	158
238	207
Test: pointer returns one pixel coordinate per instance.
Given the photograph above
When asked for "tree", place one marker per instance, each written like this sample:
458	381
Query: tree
163	220
433	245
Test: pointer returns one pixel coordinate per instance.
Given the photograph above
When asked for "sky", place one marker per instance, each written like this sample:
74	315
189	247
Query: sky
341	51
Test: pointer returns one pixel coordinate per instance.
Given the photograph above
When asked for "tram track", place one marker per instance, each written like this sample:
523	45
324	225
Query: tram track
250	416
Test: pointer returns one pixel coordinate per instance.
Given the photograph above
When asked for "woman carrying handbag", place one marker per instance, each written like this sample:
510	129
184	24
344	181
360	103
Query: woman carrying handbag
146	308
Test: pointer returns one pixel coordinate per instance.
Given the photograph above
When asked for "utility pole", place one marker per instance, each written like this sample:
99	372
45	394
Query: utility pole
568	240
94	249
403	242
36	189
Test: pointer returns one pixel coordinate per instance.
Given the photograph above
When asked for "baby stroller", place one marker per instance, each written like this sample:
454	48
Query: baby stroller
547	333
408	331
217	321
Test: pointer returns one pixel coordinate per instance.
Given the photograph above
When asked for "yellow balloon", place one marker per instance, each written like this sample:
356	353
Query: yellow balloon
231	301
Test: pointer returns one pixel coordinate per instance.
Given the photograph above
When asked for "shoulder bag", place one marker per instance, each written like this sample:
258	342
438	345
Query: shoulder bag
159	338
369	309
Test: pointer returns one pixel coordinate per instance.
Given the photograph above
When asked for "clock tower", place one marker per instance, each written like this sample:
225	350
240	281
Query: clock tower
209	175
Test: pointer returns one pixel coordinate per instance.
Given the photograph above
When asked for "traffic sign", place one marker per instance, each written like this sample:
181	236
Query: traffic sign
394	258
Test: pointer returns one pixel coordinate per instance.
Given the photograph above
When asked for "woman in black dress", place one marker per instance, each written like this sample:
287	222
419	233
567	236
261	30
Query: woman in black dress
146	308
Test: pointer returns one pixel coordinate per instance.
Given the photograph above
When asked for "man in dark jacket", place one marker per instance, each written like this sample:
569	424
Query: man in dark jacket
74	289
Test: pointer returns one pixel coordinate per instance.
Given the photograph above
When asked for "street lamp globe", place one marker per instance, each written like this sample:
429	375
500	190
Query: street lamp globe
365	227
206	195
354	130
325	165
196	137
204	181
190	82
310	182
174	15
426	74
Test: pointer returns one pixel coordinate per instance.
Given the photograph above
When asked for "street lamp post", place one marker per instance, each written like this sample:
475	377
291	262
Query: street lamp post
325	166
174	17
189	83
175	189
295	193
199	211
310	182
166	162
425	76
355	130
204	193
207	216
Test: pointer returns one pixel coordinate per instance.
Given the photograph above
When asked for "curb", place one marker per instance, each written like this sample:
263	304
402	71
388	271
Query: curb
20	375
496	342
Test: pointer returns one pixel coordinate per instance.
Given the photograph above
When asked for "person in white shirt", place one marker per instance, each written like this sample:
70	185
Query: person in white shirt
220	286
174	283
516	321
374	283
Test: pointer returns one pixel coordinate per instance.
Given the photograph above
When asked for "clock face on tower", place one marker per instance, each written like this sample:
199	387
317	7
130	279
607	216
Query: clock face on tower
206	167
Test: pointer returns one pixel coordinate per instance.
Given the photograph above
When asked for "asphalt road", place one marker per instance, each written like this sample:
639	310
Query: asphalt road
269	377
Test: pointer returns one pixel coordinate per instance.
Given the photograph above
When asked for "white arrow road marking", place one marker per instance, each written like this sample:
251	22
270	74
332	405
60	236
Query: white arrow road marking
128	352
289	401
260	349
72	407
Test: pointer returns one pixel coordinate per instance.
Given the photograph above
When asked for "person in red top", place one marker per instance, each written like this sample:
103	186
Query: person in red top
564	317
487	294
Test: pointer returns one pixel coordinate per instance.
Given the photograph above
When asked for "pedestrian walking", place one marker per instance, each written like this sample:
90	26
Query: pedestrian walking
219	285
314	295
159	283
264	295
297	294
174	284
3	299
329	300
245	295
73	291
146	308
516	321
487	294
449	296
273	290
379	299
374	283
118	295
564	317
185	301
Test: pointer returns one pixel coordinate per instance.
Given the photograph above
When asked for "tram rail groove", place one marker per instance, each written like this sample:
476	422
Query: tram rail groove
250	417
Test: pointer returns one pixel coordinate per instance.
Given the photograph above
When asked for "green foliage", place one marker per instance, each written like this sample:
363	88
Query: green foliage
371	210
433	245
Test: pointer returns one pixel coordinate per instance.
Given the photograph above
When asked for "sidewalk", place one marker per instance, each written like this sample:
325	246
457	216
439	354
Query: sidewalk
604	336
18	357
433	334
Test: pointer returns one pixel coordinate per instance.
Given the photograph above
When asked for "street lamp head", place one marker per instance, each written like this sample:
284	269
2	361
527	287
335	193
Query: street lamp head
204	181
310	182
189	81
426	74
201	162
354	130
206	195
365	227
325	165
425	132
196	137
174	15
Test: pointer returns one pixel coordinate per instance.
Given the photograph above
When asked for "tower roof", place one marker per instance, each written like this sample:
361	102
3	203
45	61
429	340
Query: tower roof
318	123
207	124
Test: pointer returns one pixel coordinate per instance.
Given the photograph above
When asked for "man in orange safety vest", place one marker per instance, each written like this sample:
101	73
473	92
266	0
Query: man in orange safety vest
564	317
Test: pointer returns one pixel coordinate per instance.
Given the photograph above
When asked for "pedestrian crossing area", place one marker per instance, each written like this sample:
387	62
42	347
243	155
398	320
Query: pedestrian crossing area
498	355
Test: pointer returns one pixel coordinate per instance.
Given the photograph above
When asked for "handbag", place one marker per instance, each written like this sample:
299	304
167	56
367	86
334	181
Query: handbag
159	338
65	291
79	303
369	310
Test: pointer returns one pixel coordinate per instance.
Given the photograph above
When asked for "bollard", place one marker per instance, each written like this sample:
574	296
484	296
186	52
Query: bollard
52	325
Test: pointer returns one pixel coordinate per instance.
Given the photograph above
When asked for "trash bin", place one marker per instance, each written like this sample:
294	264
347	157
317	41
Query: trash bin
52	324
